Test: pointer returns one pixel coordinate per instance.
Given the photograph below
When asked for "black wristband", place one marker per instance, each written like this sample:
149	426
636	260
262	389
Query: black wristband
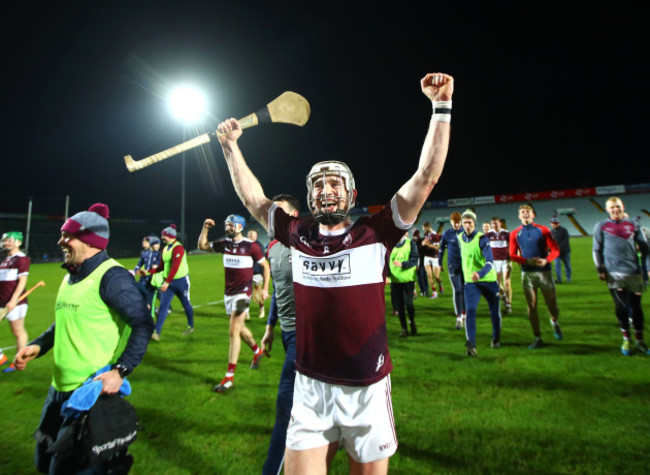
122	370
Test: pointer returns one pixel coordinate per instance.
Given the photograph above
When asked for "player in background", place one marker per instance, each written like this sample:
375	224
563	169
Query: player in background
403	264
500	243
534	248
148	258
239	254
423	280
430	246
176	273
615	244
561	235
258	275
14	270
480	280
342	390
282	309
449	241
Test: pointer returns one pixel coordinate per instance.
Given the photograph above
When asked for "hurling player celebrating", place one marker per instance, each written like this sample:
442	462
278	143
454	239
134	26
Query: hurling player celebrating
342	389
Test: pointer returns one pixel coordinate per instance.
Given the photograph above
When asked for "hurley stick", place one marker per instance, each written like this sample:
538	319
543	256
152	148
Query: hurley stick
287	108
4	311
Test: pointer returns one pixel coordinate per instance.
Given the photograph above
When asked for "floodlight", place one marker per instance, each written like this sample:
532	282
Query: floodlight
187	103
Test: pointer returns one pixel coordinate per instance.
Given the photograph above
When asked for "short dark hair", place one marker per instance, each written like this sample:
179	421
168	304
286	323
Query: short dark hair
294	203
495	218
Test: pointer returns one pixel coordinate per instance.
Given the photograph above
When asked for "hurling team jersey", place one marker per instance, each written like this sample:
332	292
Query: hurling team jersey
11	268
434	238
238	259
339	280
500	242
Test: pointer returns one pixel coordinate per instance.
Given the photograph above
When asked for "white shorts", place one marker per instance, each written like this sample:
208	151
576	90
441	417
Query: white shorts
17	313
231	302
358	417
502	266
431	261
258	279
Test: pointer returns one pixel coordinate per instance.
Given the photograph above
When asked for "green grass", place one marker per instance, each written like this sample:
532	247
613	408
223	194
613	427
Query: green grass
576	406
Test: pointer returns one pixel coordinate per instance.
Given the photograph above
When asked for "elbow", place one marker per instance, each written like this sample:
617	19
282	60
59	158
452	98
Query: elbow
429	182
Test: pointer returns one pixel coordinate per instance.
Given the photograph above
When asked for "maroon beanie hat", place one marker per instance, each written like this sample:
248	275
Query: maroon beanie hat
90	226
169	231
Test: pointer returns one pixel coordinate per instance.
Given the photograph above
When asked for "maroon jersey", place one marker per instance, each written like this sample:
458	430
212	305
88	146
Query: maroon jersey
11	268
499	242
339	291
434	238
238	259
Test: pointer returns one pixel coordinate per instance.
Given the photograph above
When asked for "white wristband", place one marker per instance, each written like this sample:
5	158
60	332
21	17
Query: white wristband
441	111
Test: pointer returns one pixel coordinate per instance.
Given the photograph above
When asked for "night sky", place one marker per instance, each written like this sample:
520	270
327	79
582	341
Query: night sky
546	97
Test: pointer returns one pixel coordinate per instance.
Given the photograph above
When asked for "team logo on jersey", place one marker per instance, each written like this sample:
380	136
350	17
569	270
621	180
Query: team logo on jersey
66	306
303	239
347	240
331	268
380	363
230	262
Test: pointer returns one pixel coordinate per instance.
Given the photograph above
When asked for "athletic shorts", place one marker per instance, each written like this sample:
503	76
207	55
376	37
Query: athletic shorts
358	417
258	279
431	261
502	266
631	283
17	313
533	280
231	302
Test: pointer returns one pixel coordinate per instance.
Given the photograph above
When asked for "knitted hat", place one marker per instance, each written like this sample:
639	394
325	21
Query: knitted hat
468	213
13	234
90	226
169	231
153	239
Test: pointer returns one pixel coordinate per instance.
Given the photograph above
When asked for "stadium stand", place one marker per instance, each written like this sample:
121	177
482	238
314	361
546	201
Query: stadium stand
588	212
126	235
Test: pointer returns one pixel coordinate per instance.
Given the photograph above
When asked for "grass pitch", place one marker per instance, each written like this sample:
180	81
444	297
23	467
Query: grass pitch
576	406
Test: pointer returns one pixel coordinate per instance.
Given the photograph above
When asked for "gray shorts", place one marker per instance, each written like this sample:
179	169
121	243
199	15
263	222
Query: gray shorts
631	283
533	280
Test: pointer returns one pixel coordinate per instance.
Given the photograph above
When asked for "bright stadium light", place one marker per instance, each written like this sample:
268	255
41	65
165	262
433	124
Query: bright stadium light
187	104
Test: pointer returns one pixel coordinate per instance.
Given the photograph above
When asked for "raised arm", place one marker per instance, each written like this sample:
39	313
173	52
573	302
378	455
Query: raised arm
246	185
204	244
439	88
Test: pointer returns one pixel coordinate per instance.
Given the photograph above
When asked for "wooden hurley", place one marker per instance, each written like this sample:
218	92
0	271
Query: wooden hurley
4	310
288	108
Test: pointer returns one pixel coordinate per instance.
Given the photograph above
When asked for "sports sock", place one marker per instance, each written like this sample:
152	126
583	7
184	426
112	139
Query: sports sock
256	349
231	370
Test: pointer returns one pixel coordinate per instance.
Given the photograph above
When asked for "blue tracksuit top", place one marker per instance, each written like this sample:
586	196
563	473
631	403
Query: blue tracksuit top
533	240
449	241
